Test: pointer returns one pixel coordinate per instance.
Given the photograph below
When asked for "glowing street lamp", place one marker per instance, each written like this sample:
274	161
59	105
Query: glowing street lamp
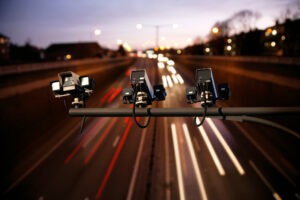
139	26
175	26
97	32
215	30
119	42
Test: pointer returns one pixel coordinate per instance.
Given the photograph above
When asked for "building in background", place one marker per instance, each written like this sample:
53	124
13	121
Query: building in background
4	48
70	51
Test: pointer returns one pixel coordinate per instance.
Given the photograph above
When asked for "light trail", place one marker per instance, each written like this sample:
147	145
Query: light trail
226	147
177	161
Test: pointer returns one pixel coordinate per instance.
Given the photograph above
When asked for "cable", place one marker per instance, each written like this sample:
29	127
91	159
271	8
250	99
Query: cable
221	113
65	104
205	110
82	124
134	114
203	117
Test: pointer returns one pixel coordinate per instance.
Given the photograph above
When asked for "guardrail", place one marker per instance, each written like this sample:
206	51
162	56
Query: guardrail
18	69
251	59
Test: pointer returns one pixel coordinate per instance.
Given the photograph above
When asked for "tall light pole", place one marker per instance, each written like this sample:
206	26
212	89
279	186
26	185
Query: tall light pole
157	27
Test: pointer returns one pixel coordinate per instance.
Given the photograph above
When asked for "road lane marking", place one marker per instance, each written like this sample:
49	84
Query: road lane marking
265	154
265	181
211	150
87	138
44	157
226	147
195	163
113	161
136	166
96	128
177	161
100	140
116	141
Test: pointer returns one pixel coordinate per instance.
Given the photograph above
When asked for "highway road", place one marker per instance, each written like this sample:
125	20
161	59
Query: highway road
170	159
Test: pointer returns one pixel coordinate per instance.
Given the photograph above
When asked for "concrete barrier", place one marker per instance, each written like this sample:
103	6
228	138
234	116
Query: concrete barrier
249	59
254	81
22	68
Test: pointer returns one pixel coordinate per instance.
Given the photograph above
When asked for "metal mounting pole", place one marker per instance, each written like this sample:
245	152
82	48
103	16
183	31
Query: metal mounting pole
184	112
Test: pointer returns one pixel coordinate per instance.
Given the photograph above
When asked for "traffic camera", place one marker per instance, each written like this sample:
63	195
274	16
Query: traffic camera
71	84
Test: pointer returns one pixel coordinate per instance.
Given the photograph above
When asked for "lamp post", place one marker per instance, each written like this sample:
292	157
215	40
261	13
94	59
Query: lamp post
157	27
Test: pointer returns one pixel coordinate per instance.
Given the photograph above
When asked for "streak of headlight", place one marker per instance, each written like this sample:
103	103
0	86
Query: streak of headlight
211	149
175	80
177	161
172	69
180	79
194	161
170	83
164	79
226	147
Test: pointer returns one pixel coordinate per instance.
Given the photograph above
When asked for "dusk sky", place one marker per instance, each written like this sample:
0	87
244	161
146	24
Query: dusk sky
43	22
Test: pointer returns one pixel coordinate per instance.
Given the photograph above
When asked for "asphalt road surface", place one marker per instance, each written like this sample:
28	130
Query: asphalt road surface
170	159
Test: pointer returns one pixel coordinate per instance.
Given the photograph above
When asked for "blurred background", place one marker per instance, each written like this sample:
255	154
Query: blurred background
254	46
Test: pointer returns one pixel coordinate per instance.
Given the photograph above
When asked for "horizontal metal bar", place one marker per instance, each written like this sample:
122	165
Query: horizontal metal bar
184	112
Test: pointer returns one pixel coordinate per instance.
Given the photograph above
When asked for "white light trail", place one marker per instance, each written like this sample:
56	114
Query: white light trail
211	149
226	147
195	163
136	166
170	83
177	161
175	80
171	69
164	79
180	79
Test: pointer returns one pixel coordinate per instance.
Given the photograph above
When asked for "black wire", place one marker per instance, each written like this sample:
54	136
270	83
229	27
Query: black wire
221	113
134	114
65	104
204	113
203	117
82	124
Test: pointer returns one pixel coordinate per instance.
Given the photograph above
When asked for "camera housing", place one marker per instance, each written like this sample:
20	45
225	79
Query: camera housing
159	92
224	91
140	78
192	95
143	91
128	95
142	94
70	83
205	90
206	86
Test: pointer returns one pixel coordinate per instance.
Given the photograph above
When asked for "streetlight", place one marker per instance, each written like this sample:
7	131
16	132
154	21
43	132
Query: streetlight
119	42
157	27
215	30
95	32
